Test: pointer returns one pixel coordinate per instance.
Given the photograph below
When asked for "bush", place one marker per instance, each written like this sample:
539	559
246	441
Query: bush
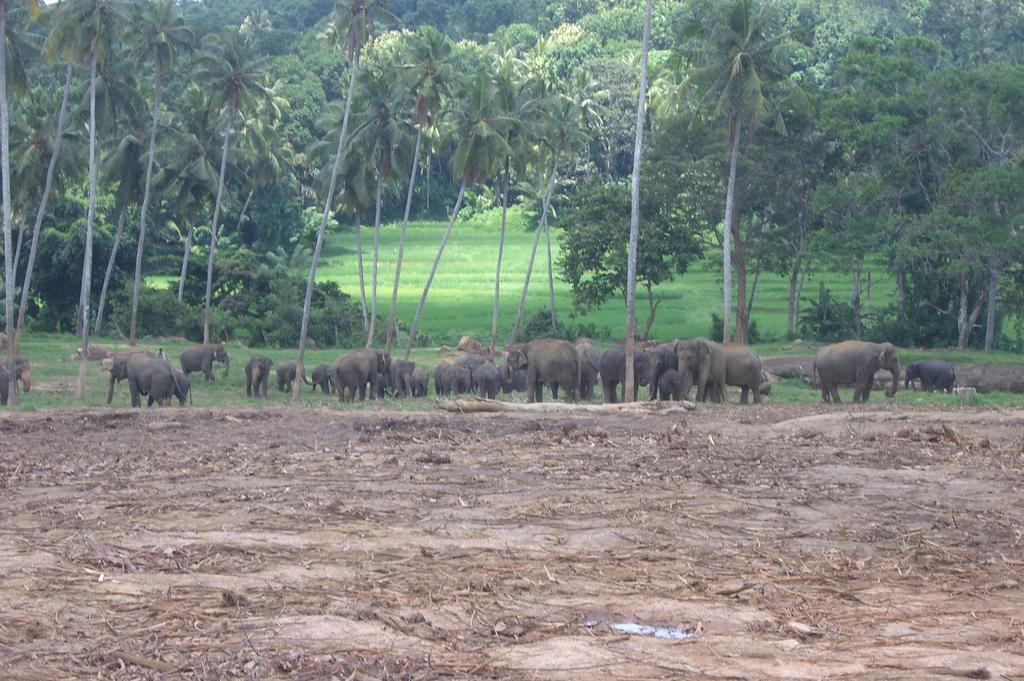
538	325
826	319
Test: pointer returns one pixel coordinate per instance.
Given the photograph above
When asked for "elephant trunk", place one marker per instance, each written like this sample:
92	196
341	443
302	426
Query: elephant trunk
110	389
26	380
895	370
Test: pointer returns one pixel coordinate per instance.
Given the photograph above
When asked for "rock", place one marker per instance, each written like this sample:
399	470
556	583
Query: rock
966	394
469	344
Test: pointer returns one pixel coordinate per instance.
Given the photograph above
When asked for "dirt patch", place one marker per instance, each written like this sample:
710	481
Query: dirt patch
794	542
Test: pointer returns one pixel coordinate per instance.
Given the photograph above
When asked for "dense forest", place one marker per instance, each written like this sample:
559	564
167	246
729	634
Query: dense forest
201	140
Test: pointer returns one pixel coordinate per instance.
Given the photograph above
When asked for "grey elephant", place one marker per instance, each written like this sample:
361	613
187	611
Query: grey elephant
855	362
22	373
743	370
382	386
322	378
471	362
257	375
547	361
442	379
613	374
400	377
934	374
669	385
146	375
702	362
118	368
590	369
660	358
286	372
487	379
418	382
182	387
460	380
358	370
202	357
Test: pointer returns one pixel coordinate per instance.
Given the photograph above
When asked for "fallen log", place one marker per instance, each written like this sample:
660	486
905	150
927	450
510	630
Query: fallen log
479	404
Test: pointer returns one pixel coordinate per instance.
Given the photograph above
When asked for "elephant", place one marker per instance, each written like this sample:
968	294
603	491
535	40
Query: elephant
418	382
381	386
202	357
660	358
182	387
743	369
547	361
257	375
669	385
442	379
460	380
471	362
855	362
146	375
22	372
487	379
321	378
400	377
590	360
357	370
613	373
701	361
934	374
286	371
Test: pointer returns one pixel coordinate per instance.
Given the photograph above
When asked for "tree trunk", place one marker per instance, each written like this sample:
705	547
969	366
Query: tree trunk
652	310
545	206
184	262
791	311
433	270
37	227
963	329
5	196
855	304
310	282
362	279
17	249
376	260
901	291
213	232
501	252
242	213
551	280
730	198
391	330
753	294
628	386
137	282
740	265
429	159
990	319
90	221
110	268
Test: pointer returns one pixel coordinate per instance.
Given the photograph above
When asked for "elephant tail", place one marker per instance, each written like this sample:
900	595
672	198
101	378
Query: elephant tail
305	379
178	387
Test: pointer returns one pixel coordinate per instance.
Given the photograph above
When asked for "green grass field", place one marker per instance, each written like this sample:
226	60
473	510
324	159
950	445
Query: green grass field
462	294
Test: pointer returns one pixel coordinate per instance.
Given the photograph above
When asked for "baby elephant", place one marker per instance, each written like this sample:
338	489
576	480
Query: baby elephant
669	385
934	374
285	375
487	380
257	375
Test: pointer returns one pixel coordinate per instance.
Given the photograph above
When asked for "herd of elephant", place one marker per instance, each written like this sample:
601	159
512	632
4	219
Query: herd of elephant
670	370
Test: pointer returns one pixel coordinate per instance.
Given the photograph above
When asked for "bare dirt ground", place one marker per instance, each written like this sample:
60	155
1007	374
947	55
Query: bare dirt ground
791	542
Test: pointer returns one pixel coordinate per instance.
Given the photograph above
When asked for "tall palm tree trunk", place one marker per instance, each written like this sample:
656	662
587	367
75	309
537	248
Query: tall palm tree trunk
184	262
362	278
90	221
328	202
730	200
501	252
213	232
551	279
137	283
376	261
110	269
433	270
393	313
545	205
17	249
37	227
634	215
5	193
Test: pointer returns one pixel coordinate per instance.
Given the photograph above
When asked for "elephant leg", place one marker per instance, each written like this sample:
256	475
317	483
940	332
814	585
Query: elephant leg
756	390
743	394
554	391
133	388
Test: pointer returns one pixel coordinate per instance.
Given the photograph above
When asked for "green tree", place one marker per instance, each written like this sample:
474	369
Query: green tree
351	29
162	33
236	79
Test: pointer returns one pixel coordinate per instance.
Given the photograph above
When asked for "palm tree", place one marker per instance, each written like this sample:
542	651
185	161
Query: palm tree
731	58
480	148
379	137
634	219
351	30
431	73
236	78
5	195
86	31
161	31
516	108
